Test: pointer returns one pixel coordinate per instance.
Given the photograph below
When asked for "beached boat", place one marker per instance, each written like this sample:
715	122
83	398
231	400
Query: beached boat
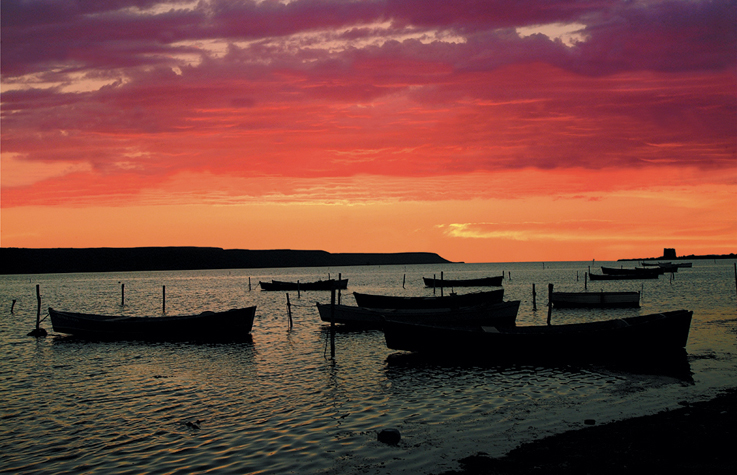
595	299
337	284
498	314
447	301
643	275
645	334
481	282
230	324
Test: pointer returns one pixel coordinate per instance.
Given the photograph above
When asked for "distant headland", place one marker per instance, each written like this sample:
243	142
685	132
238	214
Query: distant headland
107	259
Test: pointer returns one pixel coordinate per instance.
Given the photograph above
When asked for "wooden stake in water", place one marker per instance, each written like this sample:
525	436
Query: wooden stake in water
404	279
534	304
122	295
289	311
550	302
163	299
12	306
38	331
332	322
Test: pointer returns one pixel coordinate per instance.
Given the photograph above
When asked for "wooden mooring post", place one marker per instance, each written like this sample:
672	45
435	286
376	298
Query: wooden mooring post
163	299
122	295
289	311
332	322
38	331
550	302
534	303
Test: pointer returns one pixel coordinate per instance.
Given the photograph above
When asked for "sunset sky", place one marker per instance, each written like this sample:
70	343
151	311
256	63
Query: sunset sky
485	131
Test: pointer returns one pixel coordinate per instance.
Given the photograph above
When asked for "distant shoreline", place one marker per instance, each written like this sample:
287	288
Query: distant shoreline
109	259
682	258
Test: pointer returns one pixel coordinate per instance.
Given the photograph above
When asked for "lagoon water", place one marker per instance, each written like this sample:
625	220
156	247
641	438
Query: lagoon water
279	404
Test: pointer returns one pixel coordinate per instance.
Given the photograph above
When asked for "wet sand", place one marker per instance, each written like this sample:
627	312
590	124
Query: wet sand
699	438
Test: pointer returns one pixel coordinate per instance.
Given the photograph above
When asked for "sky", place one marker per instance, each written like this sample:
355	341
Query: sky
484	131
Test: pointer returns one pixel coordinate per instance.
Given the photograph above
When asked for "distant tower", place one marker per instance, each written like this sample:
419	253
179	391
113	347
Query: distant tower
669	253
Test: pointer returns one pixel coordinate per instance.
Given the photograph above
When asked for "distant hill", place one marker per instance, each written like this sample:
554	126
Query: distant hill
105	259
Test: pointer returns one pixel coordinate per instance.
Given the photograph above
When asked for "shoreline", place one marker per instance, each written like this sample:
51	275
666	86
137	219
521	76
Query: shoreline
695	438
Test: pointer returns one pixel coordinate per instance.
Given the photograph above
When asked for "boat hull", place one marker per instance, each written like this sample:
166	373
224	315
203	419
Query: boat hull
483	282
595	299
499	314
448	301
623	276
229	324
331	284
647	334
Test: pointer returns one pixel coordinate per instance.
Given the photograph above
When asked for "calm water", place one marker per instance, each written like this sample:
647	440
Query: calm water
279	404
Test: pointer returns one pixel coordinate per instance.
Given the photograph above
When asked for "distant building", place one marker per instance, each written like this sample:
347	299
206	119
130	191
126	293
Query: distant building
669	253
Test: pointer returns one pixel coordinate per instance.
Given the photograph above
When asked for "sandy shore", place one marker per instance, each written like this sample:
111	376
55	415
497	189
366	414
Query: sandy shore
698	438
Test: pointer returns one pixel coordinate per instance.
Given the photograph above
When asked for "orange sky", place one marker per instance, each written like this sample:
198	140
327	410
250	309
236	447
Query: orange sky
483	131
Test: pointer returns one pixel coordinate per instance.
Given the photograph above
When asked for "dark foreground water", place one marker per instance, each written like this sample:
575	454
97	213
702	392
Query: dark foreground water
280	404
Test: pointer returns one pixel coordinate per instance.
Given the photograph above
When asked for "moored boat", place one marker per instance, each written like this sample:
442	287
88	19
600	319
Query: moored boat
595	299
643	275
480	282
645	334
337	284
631	271
447	301
229	324
499	314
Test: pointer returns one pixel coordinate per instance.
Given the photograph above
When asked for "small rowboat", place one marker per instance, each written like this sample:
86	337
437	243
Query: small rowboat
646	334
447	301
498	314
230	324
482	282
623	276
329	284
595	299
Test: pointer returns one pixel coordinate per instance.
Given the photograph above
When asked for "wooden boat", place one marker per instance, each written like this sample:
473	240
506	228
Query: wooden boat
595	299
645	334
653	275
481	282
447	301
667	265
631	271
329	284
230	324
498	314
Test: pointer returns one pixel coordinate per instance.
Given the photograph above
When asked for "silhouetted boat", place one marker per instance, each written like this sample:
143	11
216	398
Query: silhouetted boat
229	324
447	301
667	265
631	271
481	282
595	299
498	314
329	284
653	275
646	334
